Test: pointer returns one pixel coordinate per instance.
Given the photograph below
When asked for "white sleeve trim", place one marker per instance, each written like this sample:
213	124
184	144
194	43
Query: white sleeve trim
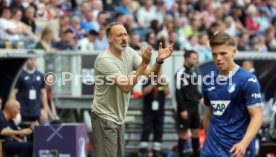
255	105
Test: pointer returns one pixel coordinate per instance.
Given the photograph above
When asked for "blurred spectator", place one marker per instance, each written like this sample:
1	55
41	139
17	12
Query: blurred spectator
46	41
97	7
28	18
216	27
67	42
263	21
87	43
238	14
191	43
253	43
64	24
85	7
30	92
12	144
155	26
203	47
124	7
173	38
261	46
153	114
193	27
134	41
88	23
230	26
146	14
7	27
22	28
269	9
76	27
164	33
101	21
251	20
270	39
248	65
151	41
101	42
174	11
60	25
17	4
160	12
243	44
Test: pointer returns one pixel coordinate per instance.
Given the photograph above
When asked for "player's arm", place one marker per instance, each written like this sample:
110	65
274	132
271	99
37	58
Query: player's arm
254	125
206	119
253	102
253	128
163	53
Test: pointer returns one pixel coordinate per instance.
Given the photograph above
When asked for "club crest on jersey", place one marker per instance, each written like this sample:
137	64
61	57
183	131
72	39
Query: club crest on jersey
219	106
231	88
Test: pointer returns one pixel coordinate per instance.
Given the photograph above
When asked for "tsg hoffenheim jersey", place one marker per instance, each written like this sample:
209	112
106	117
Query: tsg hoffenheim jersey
229	99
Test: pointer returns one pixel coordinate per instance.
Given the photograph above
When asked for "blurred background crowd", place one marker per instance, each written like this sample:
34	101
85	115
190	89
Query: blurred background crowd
79	25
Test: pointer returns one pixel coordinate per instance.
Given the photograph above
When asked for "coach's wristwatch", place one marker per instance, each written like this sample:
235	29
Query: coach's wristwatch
158	61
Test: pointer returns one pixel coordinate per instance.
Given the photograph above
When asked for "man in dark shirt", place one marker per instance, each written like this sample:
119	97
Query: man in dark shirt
187	97
13	145
153	114
31	93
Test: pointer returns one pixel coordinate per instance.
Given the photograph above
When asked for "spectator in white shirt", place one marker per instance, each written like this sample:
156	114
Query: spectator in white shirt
87	43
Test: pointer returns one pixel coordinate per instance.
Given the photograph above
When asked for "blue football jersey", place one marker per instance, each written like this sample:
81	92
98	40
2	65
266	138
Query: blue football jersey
229	98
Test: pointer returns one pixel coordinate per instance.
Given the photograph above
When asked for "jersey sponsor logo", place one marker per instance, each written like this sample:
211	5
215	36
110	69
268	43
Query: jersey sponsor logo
211	88
252	80
256	95
219	106
231	88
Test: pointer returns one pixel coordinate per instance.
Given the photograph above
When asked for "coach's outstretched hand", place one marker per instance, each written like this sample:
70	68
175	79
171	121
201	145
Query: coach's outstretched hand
164	53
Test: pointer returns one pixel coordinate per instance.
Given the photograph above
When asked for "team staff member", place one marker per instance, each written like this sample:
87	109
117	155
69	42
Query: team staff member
187	97
154	98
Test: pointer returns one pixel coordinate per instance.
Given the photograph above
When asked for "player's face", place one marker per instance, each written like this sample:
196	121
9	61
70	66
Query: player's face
118	37
223	56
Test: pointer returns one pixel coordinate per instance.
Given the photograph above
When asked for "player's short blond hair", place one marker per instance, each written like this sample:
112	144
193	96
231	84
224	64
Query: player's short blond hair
222	38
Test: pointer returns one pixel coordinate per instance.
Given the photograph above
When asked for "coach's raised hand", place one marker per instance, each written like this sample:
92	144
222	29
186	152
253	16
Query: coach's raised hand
164	53
146	55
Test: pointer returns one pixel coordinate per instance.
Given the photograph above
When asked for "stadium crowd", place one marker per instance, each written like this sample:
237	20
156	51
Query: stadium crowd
79	25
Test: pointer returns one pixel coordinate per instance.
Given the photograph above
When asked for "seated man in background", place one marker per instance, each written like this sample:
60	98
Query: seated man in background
12	144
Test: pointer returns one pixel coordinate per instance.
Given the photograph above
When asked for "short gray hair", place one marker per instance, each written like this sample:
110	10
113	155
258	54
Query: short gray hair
109	27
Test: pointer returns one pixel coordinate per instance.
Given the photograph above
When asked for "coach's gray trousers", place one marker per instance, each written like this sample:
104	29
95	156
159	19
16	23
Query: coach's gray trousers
107	137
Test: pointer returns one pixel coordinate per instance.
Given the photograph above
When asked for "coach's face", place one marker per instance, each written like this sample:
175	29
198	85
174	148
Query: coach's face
118	37
223	56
